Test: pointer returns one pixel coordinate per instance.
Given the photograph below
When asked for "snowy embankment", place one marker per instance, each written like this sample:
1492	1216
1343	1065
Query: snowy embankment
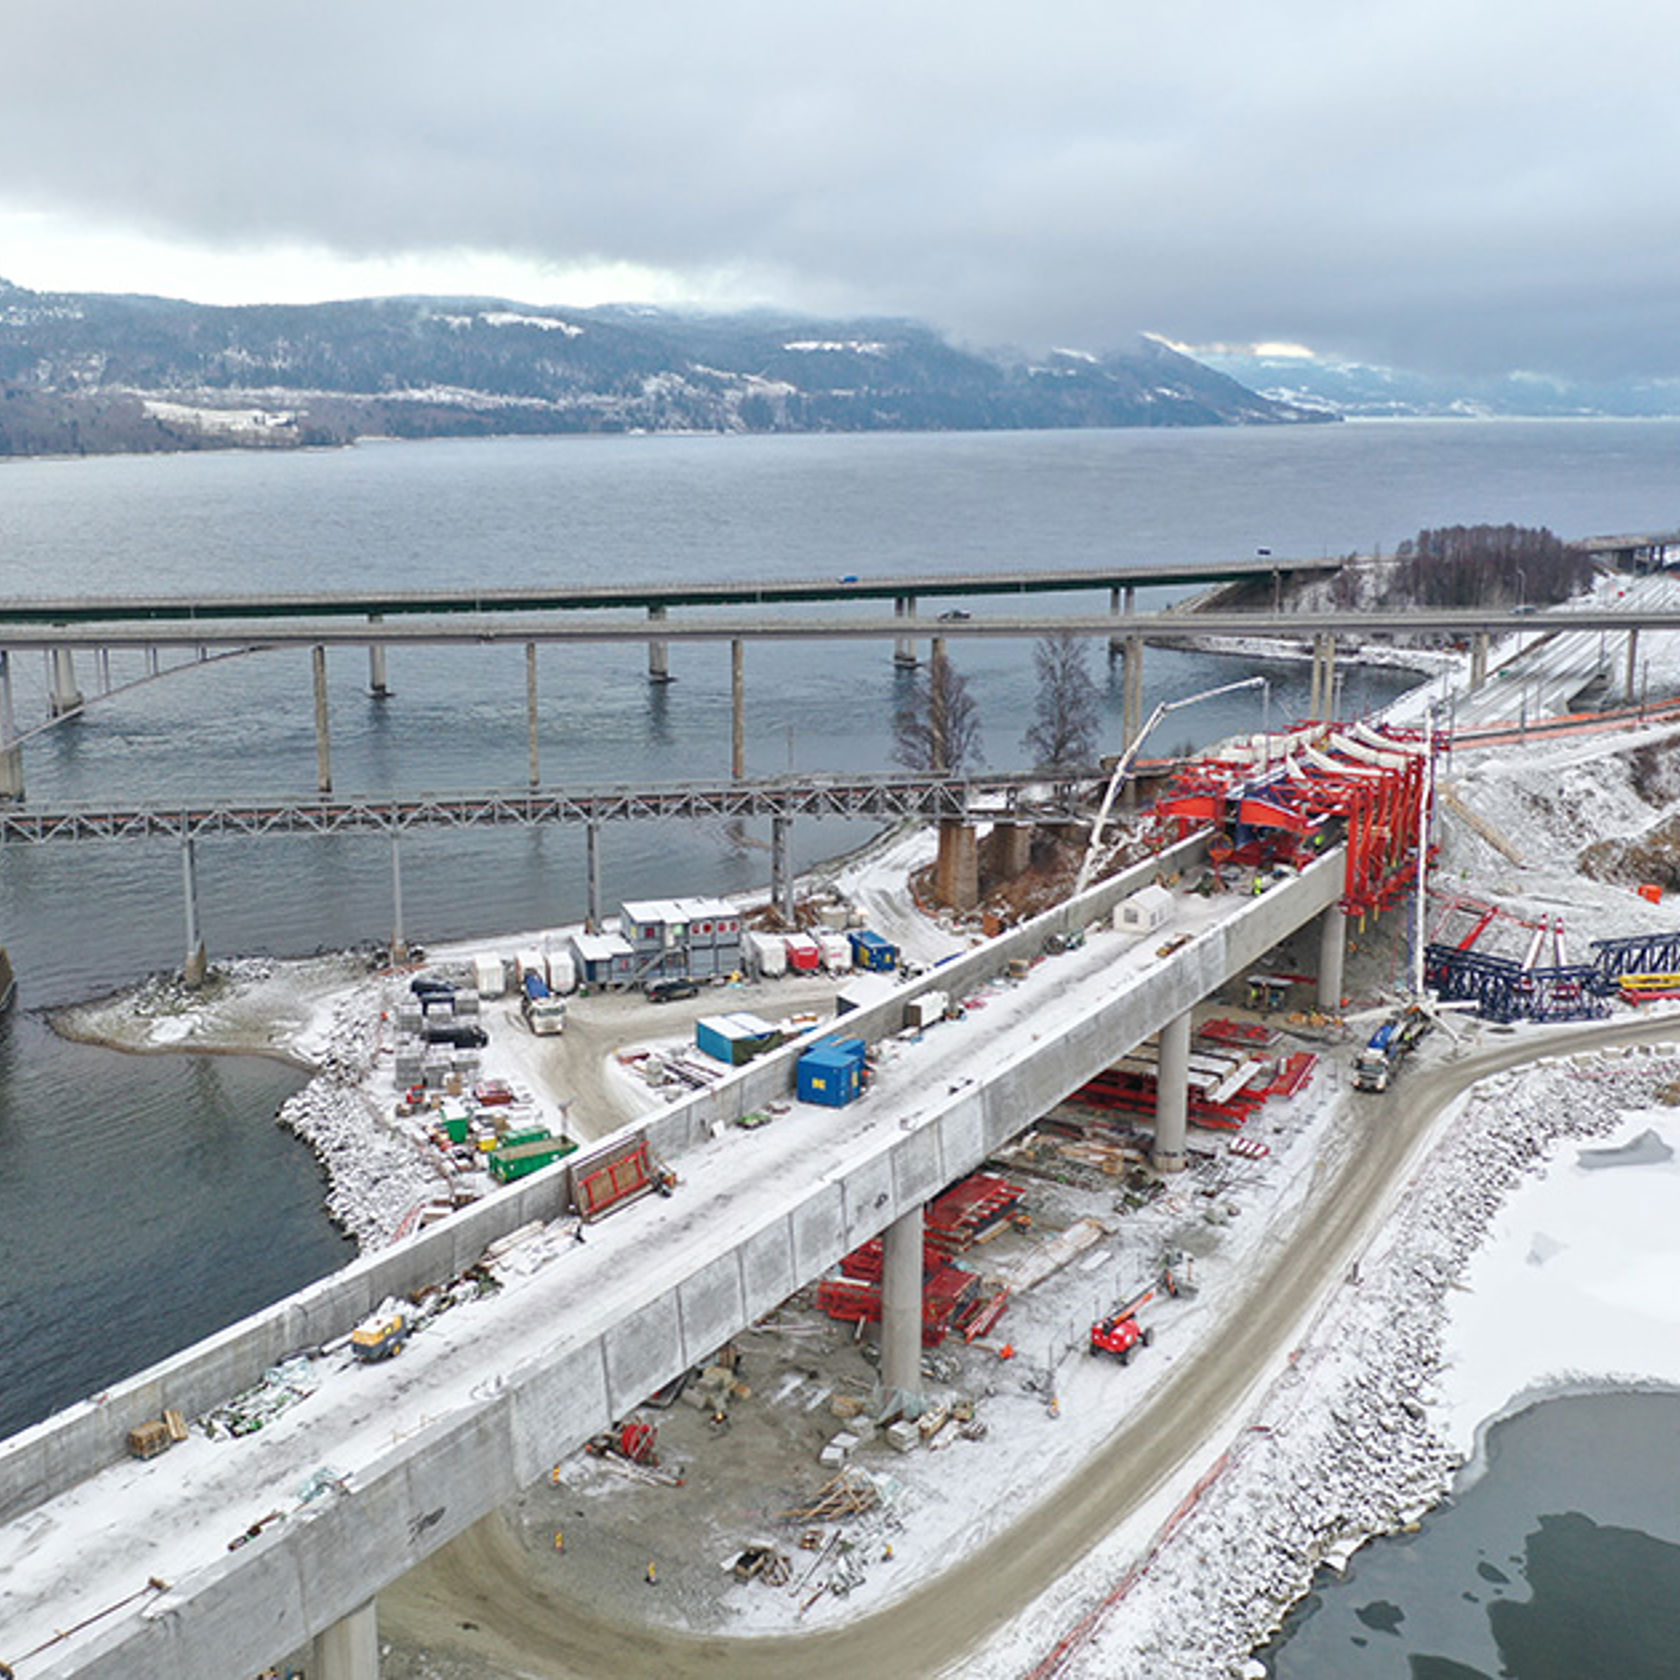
1375	1412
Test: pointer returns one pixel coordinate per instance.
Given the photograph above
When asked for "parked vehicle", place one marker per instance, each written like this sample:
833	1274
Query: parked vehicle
671	989
379	1337
463	1035
1375	1066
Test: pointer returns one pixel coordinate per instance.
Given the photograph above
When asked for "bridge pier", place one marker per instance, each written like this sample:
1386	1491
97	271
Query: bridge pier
1332	958
904	649
323	738
1122	601
1478	660
781	872
1323	700
737	709
1632	666
399	941
11	750
659	651
378	684
901	1304
1131	693
64	696
531	713
349	1649
592	876
1172	1095
956	871
197	964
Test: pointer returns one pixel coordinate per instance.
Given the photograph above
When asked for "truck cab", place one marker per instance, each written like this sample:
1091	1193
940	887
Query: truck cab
544	1013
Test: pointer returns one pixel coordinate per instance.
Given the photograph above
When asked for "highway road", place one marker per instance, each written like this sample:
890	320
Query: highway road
522	1628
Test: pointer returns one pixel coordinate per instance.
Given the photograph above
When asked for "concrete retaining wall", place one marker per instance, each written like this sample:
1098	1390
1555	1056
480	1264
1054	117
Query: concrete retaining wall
72	1444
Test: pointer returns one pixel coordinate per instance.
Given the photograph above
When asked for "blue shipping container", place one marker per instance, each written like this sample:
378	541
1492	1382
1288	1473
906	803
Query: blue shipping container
830	1073
870	950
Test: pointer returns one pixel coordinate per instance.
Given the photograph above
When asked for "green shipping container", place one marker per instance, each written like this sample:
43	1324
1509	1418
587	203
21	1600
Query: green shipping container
456	1130
532	1134
509	1163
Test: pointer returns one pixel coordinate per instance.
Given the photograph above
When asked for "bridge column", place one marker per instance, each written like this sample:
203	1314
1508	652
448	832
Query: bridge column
1131	693
737	709
64	697
378	684
11	750
1332	958
901	1303
904	649
197	964
1632	666
399	941
659	651
956	872
348	1650
1478	660
323	738
1121	600
781	873
1172	1095
592	875
531	712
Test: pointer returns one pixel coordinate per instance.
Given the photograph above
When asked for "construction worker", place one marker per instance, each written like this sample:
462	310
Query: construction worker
653	1575
559	1540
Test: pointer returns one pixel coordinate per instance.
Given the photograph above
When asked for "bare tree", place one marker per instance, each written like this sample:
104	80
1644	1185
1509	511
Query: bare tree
1066	713
937	726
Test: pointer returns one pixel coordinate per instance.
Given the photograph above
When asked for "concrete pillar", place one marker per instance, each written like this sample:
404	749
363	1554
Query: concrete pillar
531	712
737	709
904	649
11	750
197	964
1329	675
104	670
1332	958
1131	693
378	684
592	876
659	652
1013	848
64	696
348	1650
1172	1095
781	870
901	1303
151	662
1478	660
956	871
1114	642
399	941
323	736
1632	666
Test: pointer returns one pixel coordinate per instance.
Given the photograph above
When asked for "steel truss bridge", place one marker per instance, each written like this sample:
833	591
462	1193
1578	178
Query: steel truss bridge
882	798
1503	990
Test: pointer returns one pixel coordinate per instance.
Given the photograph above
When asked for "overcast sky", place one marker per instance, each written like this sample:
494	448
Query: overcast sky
1453	185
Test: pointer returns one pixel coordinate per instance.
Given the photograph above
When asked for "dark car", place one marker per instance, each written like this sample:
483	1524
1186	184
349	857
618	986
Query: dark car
464	1035
955	615
671	989
425	986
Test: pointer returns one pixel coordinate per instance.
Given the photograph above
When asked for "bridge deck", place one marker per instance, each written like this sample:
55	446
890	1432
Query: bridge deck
493	1392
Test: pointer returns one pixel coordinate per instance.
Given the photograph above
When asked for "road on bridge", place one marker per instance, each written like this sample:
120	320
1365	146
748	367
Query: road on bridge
521	1628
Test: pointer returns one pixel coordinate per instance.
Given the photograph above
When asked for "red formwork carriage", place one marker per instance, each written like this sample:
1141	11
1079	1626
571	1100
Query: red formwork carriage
1362	786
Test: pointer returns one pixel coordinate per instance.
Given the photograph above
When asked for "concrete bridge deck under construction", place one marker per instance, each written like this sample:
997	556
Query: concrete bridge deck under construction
493	1393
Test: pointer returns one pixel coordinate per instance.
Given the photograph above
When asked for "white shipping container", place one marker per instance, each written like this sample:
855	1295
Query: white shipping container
767	953
562	975
923	1011
836	951
490	975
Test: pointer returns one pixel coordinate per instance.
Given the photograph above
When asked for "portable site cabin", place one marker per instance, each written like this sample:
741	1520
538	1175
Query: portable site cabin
735	1039
490	975
1144	911
831	1072
836	949
871	951
603	959
695	937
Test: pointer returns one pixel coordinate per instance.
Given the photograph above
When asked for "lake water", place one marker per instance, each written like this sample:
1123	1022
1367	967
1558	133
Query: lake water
1562	1562
145	1201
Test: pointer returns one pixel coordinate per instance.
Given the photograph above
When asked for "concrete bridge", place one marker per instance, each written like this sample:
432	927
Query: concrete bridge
134	1558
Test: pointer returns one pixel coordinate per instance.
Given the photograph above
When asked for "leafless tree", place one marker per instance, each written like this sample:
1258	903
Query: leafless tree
937	726
1066	713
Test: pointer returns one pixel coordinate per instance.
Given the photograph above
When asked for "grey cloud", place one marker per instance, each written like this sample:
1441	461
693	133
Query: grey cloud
1469	187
